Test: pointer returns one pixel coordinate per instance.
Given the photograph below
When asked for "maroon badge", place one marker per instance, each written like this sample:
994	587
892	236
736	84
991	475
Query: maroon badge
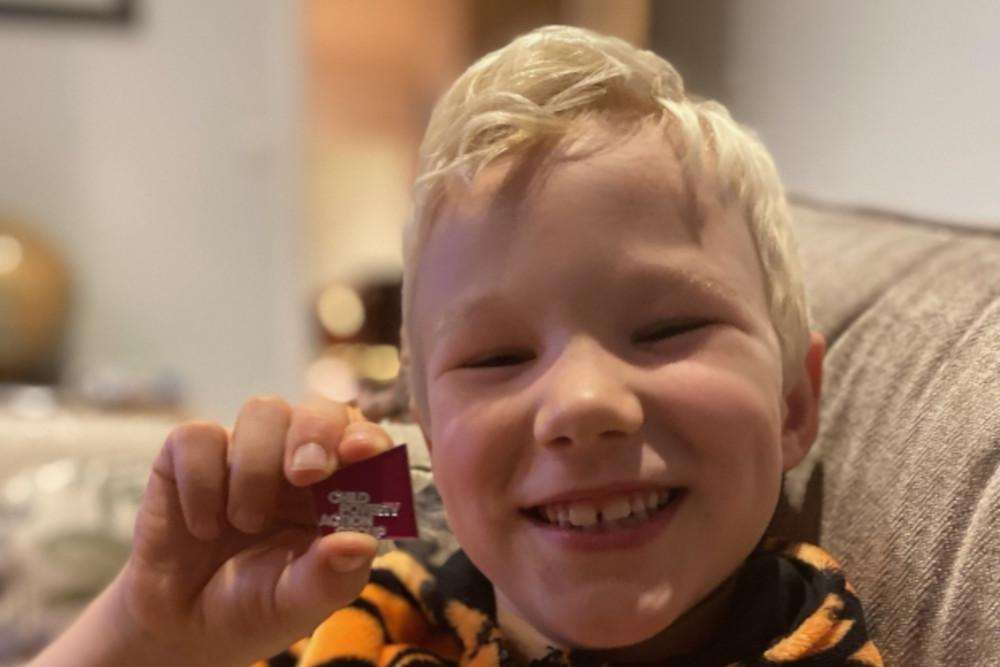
373	496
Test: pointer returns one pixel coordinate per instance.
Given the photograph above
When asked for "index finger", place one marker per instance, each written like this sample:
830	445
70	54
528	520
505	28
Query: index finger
323	435
362	439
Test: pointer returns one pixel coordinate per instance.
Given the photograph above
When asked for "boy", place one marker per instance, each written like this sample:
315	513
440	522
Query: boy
608	351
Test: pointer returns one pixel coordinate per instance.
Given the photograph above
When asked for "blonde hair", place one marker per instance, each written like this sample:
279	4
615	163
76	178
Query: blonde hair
537	86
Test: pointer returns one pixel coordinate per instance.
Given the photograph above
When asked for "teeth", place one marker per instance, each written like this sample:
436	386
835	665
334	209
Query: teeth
619	510
582	514
639	506
551	514
563	515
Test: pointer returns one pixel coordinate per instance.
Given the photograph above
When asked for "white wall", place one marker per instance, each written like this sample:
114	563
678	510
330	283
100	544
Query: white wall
164	160
893	104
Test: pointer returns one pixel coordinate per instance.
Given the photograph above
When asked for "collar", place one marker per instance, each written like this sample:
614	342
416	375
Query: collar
782	594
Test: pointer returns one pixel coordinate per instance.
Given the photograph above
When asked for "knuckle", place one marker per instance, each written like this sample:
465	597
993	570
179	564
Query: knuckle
308	425
269	404
373	432
202	476
255	478
194	433
332	409
367	428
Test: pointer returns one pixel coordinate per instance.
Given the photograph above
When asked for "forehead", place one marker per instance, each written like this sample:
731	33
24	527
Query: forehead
616	172
601	208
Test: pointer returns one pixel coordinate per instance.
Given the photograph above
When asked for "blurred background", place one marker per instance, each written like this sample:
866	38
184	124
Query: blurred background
202	201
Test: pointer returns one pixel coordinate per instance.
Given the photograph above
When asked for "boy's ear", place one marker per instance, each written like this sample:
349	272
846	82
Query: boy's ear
802	405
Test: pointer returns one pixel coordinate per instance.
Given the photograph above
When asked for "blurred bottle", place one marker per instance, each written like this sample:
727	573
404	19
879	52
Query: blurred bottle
34	307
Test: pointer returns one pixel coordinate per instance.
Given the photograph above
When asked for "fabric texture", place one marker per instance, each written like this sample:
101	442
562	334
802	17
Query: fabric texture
791	606
903	483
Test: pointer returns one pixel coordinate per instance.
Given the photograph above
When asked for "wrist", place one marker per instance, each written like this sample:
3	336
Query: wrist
108	634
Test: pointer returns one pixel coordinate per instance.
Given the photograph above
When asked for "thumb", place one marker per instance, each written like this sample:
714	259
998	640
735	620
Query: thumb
327	577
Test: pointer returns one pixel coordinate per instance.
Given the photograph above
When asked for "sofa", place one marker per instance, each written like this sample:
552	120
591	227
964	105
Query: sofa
903	484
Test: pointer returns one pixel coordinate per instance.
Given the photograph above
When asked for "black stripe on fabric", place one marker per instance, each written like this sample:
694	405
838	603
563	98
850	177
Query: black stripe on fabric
374	612
418	657
458	579
283	659
434	601
483	638
347	662
839	654
554	658
387	580
849	644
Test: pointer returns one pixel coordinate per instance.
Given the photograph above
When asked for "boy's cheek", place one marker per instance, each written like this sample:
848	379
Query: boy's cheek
469	430
463	474
716	403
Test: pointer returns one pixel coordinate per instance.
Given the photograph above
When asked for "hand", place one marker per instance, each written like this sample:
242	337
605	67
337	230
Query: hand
227	566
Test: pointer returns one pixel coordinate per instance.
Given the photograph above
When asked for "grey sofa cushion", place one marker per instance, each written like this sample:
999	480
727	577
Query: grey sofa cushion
903	484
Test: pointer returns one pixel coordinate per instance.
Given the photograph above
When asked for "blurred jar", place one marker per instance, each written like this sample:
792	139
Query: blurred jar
34	306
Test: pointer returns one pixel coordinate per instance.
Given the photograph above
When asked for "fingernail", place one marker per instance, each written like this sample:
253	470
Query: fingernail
310	456
347	564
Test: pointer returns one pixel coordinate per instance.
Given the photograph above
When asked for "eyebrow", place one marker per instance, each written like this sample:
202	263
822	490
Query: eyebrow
653	273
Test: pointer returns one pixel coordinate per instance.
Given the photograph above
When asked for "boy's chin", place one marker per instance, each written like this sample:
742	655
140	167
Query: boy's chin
602	636
607	626
639	624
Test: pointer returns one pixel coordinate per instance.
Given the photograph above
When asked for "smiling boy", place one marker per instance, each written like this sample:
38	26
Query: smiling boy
610	360
605	348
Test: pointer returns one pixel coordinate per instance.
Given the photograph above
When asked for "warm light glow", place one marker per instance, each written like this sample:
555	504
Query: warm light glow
380	363
340	311
333	378
33	402
11	254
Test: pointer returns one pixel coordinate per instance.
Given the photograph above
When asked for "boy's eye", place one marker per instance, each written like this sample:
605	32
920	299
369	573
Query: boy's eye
661	331
497	361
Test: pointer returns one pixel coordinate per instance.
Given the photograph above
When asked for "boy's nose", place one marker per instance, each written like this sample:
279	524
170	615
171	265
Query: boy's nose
585	398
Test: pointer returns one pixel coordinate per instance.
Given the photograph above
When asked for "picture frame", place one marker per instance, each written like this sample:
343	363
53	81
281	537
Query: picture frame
87	11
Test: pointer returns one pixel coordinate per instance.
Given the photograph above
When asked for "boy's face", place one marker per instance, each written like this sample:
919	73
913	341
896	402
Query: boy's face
583	334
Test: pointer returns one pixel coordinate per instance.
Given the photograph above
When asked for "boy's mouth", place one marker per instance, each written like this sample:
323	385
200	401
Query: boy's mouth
614	511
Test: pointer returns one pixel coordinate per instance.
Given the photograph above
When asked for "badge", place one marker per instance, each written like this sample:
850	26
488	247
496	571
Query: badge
373	496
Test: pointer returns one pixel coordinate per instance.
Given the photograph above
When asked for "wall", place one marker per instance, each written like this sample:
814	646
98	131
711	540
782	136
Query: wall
163	158
889	104
374	68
